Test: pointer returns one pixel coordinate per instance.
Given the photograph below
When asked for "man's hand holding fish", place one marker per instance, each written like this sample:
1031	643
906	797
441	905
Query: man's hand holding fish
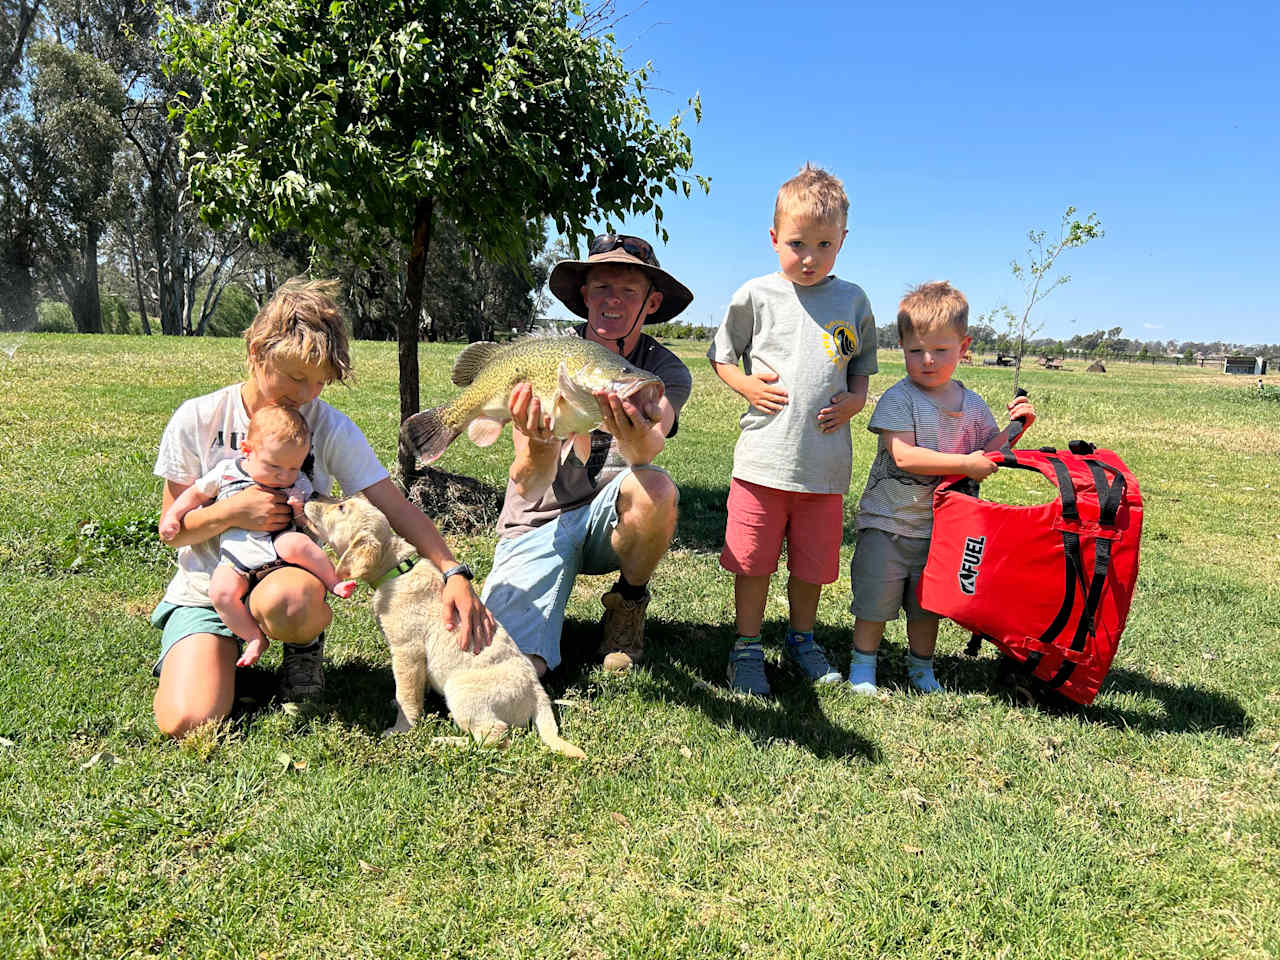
634	429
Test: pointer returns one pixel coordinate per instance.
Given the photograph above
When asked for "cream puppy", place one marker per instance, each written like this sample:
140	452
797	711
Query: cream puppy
487	693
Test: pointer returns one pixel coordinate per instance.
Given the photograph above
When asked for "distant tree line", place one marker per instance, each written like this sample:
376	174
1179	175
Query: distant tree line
1098	343
99	229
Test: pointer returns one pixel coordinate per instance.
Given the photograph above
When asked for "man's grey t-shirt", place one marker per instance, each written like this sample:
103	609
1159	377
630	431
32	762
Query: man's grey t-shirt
815	339
899	502
576	484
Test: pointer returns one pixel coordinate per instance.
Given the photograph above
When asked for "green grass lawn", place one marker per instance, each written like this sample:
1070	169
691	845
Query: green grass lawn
702	824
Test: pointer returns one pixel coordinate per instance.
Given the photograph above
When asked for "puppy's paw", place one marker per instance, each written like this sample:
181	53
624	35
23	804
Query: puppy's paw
452	741
402	724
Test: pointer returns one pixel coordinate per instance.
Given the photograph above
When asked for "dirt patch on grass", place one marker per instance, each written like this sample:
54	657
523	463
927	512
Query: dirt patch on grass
457	503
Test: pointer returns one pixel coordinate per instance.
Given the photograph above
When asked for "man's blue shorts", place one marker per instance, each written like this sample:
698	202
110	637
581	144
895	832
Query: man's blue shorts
533	574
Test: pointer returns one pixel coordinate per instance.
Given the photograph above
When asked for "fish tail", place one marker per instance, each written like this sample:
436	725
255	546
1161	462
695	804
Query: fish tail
426	435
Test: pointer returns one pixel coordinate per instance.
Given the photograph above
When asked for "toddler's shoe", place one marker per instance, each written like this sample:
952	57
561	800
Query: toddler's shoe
746	670
862	674
920	673
805	653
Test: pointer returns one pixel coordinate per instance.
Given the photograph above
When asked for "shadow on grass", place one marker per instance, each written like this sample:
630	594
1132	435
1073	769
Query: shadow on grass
687	663
1184	708
702	517
356	693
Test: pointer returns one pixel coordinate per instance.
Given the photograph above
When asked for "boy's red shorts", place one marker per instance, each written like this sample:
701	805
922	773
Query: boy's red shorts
759	519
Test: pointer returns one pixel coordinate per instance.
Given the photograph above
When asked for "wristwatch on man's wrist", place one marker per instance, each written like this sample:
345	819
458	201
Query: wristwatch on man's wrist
461	569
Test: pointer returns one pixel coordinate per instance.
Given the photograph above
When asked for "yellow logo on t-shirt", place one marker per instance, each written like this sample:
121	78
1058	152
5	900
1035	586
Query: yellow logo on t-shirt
841	341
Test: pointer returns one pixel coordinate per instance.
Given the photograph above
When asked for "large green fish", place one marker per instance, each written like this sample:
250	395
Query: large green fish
564	371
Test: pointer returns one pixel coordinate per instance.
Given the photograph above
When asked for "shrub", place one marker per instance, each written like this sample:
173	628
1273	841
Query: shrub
54	317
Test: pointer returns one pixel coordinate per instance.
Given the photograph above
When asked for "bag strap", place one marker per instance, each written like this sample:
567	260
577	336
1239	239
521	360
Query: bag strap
1085	628
1110	495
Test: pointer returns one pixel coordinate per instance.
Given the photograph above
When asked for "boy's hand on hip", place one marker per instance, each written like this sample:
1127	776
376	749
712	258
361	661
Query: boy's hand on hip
844	406
763	393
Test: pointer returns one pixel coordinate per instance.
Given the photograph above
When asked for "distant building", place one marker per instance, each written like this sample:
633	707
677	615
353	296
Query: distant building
1247	366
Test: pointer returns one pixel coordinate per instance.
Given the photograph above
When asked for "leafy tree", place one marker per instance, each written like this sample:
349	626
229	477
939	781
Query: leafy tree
471	297
76	102
17	19
348	118
56	164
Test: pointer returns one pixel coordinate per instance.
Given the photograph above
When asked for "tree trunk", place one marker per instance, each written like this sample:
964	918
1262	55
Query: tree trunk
86	307
168	271
410	317
137	281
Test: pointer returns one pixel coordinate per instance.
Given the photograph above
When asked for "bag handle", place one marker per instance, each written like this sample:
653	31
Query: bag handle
1052	468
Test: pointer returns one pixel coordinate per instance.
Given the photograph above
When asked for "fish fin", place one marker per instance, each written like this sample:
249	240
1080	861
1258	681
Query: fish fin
471	361
582	446
484	431
426	436
559	410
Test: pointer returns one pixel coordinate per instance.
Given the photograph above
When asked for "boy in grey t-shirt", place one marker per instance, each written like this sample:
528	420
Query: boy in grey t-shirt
930	426
806	342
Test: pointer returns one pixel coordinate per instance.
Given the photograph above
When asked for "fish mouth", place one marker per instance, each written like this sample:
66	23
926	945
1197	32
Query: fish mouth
644	394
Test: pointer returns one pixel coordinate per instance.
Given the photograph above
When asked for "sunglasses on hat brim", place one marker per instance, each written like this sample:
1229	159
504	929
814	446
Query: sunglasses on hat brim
640	249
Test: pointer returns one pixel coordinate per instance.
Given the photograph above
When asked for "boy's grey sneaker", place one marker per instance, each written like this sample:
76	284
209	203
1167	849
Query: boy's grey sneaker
808	656
746	670
302	670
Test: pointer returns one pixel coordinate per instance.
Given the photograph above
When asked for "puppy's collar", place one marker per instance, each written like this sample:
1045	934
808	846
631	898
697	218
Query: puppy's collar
404	566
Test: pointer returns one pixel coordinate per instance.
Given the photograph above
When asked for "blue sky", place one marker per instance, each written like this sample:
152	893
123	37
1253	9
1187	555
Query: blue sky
956	130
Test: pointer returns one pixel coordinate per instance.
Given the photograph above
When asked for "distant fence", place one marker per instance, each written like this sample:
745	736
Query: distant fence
1034	359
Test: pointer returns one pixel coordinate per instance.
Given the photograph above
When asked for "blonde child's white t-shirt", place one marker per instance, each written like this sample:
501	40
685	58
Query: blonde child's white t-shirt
208	429
815	339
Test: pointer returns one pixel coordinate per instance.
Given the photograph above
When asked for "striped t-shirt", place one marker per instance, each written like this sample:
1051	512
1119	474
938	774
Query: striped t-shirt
899	502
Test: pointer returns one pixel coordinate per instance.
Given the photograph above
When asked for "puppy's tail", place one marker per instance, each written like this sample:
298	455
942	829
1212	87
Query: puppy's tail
545	722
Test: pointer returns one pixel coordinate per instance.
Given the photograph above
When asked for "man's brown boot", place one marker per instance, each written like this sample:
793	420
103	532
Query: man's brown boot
622	631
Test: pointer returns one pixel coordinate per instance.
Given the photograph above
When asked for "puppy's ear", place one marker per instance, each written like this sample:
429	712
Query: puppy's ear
357	562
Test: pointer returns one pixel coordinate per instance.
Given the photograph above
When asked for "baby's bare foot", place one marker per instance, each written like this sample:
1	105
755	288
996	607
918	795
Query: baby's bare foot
253	650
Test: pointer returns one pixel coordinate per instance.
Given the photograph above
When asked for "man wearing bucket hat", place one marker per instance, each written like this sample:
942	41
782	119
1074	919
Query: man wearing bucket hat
616	511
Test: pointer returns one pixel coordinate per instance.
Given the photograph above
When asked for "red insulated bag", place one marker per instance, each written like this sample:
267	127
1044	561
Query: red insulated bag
1049	584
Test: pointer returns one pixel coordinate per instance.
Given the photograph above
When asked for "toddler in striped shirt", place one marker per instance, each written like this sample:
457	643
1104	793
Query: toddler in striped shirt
930	426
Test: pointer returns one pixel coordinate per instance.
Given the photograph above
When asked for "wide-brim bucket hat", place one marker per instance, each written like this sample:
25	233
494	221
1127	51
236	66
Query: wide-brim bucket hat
568	276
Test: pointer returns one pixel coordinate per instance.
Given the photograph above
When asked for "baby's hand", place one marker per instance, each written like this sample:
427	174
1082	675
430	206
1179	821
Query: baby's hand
979	466
844	406
762	393
169	527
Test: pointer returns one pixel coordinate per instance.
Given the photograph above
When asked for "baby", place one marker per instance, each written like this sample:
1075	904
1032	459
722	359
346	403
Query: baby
273	451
